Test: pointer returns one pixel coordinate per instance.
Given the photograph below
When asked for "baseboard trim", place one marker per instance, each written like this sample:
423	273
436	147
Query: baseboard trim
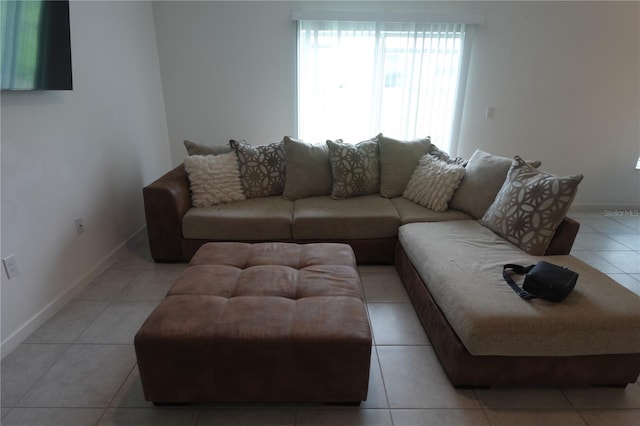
601	207
20	335
604	210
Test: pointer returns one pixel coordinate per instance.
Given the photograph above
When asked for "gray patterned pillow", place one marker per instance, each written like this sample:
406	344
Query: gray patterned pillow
194	148
530	206
433	182
443	156
354	168
262	168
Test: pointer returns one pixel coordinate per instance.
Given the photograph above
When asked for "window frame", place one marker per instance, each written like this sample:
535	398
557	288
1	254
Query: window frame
471	21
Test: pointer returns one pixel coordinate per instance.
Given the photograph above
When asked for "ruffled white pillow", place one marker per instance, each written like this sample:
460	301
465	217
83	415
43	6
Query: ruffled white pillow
433	183
214	179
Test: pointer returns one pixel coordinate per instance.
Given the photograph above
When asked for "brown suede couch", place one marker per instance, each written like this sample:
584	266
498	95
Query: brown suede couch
379	227
369	224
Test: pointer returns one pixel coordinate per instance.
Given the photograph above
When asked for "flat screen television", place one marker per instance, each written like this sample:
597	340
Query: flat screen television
35	45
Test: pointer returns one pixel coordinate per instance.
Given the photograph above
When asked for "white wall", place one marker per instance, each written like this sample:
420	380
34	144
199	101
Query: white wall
85	153
228	71
563	77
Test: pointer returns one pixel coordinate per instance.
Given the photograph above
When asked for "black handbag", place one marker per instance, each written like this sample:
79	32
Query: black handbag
544	280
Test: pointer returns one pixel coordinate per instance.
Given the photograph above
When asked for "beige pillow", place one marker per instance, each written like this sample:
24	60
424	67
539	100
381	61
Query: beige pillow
308	169
530	206
200	149
433	182
398	160
262	168
214	179
484	176
354	168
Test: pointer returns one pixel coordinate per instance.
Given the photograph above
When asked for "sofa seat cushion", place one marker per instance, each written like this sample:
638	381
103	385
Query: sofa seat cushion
363	217
410	212
254	219
461	263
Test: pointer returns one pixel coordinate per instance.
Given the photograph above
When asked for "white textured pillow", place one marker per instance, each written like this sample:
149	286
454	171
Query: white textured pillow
214	179
433	182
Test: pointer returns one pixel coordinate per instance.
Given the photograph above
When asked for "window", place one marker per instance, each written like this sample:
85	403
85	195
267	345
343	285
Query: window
357	79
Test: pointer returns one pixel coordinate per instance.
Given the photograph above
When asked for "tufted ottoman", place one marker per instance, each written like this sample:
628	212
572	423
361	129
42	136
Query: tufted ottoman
259	322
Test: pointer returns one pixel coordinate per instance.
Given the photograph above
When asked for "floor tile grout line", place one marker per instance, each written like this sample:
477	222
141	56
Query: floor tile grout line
596	253
3	414
122	290
384	386
621	242
36	381
483	408
118	294
586	221
611	236
110	299
121	386
626	246
617	219
76	340
126	377
566	397
582	417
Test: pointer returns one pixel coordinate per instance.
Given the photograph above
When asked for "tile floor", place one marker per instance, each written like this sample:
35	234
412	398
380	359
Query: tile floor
80	369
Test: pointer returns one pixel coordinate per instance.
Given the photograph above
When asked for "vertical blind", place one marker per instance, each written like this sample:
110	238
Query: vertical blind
357	79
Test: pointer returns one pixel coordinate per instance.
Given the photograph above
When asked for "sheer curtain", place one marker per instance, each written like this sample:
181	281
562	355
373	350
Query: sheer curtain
357	79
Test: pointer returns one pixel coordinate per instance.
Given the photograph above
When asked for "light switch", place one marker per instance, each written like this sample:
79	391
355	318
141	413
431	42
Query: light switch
490	112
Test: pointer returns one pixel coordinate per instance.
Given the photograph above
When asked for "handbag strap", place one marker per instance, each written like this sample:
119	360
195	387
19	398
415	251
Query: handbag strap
518	270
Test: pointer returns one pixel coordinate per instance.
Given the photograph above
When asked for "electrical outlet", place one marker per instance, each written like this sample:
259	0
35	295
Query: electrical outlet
79	225
11	265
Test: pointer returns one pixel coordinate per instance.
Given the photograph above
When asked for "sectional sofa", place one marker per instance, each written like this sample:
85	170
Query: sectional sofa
302	209
447	224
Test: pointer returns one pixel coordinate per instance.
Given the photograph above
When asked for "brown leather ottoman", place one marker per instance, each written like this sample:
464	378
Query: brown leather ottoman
259	322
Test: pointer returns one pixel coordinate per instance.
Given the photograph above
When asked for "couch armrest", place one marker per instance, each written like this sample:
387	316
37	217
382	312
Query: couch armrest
165	203
563	238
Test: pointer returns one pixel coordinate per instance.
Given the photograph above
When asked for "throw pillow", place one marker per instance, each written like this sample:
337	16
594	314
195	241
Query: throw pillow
200	149
436	152
398	159
262	168
308	170
530	206
354	168
433	182
213	179
484	176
